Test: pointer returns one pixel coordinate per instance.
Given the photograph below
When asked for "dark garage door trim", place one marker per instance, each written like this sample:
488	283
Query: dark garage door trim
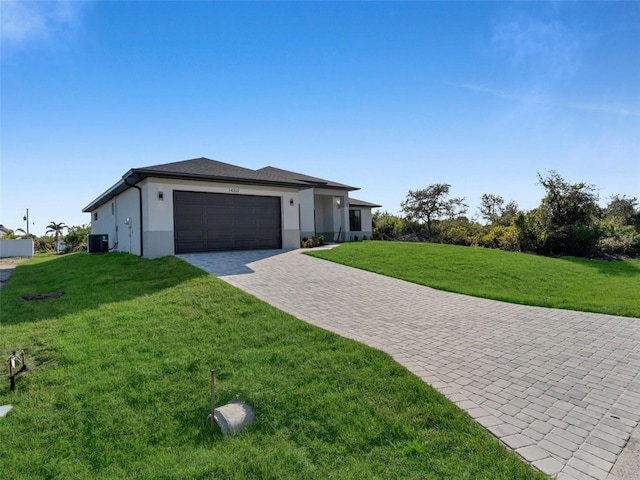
209	222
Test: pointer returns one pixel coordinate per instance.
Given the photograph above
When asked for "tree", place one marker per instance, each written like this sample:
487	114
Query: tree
456	208
623	210
13	234
387	226
491	207
76	237
567	216
431	203
620	227
495	212
566	204
508	213
56	229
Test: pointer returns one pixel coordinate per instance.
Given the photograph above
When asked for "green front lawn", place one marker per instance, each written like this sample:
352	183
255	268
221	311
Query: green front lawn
119	386
567	282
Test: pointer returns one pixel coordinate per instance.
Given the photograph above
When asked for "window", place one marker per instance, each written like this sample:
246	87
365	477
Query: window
355	222
95	215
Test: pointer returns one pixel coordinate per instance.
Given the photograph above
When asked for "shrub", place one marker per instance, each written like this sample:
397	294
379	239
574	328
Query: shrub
501	237
456	235
312	242
76	238
620	241
386	226
43	244
528	231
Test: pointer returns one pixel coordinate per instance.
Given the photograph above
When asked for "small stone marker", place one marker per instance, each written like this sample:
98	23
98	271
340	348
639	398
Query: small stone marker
234	416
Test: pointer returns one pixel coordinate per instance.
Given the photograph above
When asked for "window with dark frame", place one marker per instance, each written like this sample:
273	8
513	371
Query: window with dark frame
355	221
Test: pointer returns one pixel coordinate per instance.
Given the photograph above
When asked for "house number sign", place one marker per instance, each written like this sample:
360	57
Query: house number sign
234	190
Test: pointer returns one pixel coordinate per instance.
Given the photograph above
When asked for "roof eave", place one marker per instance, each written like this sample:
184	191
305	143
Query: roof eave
114	191
135	176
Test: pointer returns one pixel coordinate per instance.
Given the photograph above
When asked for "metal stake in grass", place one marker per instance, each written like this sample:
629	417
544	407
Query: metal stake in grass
13	360
233	416
213	398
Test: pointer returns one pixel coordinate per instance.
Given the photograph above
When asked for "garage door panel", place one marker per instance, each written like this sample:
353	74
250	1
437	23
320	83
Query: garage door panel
213	221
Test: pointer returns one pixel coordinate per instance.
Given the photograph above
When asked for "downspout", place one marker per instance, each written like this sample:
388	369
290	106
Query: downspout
140	205
115	207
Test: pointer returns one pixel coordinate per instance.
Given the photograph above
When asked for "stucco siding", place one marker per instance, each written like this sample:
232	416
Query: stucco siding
306	215
158	243
157	213
16	247
303	213
127	218
112	220
367	223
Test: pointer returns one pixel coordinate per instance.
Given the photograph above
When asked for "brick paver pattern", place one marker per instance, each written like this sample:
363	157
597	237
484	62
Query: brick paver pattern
561	388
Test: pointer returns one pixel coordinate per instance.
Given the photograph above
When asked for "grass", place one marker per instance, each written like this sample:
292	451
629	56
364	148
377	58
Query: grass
119	386
568	282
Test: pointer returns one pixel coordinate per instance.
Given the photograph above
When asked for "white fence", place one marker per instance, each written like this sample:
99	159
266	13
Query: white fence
22	247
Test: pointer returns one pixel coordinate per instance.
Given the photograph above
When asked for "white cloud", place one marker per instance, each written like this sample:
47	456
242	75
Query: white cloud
540	46
540	99
24	22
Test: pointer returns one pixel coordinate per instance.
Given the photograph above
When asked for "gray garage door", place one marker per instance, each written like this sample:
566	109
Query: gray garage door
208	222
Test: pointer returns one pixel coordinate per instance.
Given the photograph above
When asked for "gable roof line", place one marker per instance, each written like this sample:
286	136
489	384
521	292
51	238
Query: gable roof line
361	203
207	170
306	179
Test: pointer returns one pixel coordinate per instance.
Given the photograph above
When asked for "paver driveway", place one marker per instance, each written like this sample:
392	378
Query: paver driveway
561	388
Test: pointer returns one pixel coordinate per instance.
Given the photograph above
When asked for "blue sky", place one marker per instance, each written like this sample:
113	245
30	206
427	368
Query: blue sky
385	96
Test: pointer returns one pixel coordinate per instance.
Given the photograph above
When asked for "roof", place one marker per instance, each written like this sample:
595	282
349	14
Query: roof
354	202
208	170
205	169
306	179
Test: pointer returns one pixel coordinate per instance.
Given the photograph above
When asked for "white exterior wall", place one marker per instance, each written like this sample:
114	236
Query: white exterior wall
127	233
331	220
367	222
314	212
17	247
112	221
105	223
306	215
157	228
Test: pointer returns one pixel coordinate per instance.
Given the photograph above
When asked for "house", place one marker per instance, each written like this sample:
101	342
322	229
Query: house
203	205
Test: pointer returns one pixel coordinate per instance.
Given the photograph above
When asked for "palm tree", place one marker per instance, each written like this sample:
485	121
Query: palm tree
56	229
13	234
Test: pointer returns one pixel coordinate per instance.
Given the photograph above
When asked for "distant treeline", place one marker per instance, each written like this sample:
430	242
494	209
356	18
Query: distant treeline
568	221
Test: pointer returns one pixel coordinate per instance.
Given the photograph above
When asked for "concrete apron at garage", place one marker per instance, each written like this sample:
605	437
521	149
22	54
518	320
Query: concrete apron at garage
561	388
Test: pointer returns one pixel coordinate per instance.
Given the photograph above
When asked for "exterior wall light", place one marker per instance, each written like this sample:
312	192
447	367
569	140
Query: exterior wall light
291	202
160	196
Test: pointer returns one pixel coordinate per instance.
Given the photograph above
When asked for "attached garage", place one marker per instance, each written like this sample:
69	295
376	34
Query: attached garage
207	222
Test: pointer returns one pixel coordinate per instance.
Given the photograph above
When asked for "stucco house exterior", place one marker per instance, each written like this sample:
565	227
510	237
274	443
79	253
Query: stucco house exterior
203	205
